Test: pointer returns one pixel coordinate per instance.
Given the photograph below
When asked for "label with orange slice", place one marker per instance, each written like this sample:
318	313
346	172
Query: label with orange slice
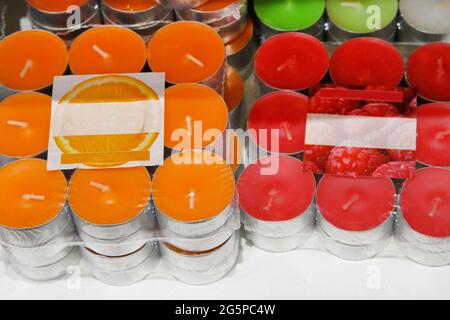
105	121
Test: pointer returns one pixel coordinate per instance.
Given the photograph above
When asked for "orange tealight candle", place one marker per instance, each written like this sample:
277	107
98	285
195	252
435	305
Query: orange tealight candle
131	5
30	59
55	6
107	49
234	96
30	197
195	117
188	52
24	125
193	193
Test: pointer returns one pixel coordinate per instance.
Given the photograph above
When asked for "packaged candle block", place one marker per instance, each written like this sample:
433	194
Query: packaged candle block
227	17
63	17
276	16
24	119
36	228
143	17
278	208
362	132
357	222
422	230
424	21
350	18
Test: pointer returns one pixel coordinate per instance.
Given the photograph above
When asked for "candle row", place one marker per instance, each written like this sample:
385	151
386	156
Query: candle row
113	211
296	61
355	223
414	21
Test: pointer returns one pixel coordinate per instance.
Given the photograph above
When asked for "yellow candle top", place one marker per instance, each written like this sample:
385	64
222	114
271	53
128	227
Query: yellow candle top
193	186
111	196
25	120
30	196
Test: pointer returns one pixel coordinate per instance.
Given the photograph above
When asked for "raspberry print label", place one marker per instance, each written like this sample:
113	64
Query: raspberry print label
107	121
362	132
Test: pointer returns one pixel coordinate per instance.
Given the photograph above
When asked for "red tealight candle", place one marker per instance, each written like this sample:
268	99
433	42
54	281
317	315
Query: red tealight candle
366	61
423	228
292	61
354	215
433	139
276	195
428	71
283	111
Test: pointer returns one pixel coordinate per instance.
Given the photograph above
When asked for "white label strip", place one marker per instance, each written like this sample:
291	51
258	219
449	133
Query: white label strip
74	119
361	131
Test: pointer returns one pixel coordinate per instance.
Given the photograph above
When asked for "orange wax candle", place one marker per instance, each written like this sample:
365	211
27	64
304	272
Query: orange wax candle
213	5
24	124
195	109
187	52
111	196
240	42
131	5
55	5
198	189
234	89
30	196
107	49
30	59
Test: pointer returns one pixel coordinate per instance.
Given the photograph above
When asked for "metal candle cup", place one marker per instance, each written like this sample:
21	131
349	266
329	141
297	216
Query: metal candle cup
122	270
229	21
424	21
348	19
188	52
112	230
422	231
279	214
37	228
43	56
145	21
197	213
181	4
200	268
357	223
62	18
284	62
277	16
25	120
241	50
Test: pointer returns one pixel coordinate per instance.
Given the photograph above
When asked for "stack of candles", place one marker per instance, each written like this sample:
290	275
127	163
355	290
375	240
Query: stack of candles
63	17
113	215
36	227
196	216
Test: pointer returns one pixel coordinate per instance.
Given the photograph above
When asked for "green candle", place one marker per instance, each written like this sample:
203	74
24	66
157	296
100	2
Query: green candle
289	15
362	16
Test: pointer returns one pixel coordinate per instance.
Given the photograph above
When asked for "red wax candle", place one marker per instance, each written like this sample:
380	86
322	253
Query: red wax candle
285	111
366	61
428	71
425	202
281	196
433	139
292	61
355	204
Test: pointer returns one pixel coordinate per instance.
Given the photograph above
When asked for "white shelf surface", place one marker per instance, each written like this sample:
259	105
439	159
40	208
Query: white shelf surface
306	273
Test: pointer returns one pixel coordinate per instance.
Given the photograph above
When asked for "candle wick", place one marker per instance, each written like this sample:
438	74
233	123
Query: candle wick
435	205
189	125
36	197
195	60
17	123
443	134
356	5
273	194
28	64
103	54
191	200
350	202
99	186
290	60
287	131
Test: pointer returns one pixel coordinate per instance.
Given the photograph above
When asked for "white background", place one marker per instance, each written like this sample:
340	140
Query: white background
306	273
